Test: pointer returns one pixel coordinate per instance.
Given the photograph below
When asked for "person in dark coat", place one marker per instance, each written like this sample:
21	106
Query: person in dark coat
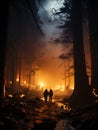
46	94
50	95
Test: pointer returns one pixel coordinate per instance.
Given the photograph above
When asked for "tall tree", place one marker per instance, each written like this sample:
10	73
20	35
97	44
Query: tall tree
82	90
82	93
4	11
93	34
4	15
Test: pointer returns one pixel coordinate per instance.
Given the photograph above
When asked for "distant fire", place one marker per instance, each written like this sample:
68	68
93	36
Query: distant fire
10	95
94	92
22	95
17	79
42	83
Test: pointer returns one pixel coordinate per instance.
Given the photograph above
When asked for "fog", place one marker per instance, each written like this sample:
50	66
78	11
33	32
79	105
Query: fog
36	50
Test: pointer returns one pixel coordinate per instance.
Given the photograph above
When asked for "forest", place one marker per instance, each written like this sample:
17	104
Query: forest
52	40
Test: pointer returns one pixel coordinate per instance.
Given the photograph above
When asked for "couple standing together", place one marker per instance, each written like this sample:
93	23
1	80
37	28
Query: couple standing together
48	94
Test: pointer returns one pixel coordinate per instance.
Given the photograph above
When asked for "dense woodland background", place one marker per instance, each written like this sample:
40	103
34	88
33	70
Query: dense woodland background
82	94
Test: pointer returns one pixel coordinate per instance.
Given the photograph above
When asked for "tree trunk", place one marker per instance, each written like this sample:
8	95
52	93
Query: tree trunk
93	31
4	10
82	93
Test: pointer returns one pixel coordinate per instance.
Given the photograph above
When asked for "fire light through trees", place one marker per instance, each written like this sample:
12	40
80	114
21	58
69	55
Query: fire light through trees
39	62
49	64
36	61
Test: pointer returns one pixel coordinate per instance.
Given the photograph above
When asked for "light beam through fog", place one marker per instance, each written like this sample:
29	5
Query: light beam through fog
46	12
54	67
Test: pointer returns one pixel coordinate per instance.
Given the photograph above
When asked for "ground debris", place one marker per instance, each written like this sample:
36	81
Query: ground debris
28	114
35	114
86	118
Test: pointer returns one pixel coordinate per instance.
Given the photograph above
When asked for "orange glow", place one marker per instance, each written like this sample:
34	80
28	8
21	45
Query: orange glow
72	87
41	84
17	79
10	82
59	87
22	95
10	95
46	79
94	92
24	82
53	72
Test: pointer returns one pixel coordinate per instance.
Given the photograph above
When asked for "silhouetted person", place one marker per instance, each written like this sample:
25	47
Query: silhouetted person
46	93
50	95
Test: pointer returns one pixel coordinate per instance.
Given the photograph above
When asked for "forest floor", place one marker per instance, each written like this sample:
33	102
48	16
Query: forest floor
35	114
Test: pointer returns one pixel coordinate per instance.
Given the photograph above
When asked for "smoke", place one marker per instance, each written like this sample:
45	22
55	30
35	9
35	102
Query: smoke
36	51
